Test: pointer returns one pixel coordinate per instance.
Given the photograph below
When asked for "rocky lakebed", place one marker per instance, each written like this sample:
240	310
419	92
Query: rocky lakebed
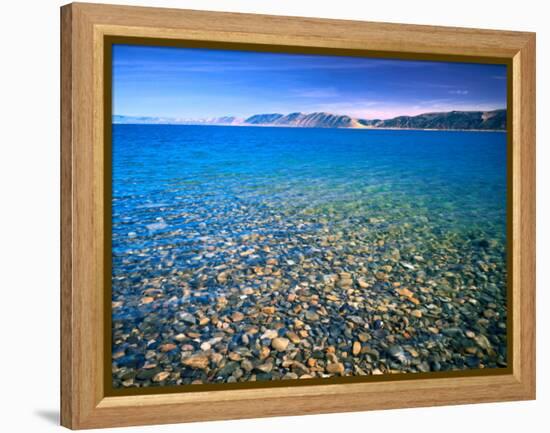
268	254
311	301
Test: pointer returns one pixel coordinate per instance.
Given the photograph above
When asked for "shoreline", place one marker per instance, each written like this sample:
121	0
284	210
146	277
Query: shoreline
314	127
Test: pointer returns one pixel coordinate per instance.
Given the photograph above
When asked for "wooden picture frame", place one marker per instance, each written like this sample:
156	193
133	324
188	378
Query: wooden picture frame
84	327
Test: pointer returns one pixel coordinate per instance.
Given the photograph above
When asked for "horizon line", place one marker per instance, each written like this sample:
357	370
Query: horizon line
334	121
244	118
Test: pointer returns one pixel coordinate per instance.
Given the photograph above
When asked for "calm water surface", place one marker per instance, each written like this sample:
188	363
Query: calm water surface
192	201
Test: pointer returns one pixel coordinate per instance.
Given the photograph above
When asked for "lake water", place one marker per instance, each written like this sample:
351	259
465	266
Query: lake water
213	220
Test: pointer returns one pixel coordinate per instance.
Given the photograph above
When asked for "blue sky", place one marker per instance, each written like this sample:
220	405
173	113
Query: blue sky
200	83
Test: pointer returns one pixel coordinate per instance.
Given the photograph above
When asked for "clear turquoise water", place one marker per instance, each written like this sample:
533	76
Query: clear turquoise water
191	200
170	179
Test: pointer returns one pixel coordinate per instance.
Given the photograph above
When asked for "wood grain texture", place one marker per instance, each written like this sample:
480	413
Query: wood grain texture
525	103
67	394
84	26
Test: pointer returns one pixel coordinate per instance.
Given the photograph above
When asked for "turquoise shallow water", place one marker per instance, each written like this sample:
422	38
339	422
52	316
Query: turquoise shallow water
188	199
456	179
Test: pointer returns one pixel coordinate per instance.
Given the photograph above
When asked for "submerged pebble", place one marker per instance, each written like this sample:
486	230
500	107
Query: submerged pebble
265	276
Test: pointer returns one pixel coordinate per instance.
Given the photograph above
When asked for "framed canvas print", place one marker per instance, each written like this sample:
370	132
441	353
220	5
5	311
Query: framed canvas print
269	216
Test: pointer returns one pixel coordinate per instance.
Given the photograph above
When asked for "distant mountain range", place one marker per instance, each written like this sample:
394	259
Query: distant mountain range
451	120
148	120
313	120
